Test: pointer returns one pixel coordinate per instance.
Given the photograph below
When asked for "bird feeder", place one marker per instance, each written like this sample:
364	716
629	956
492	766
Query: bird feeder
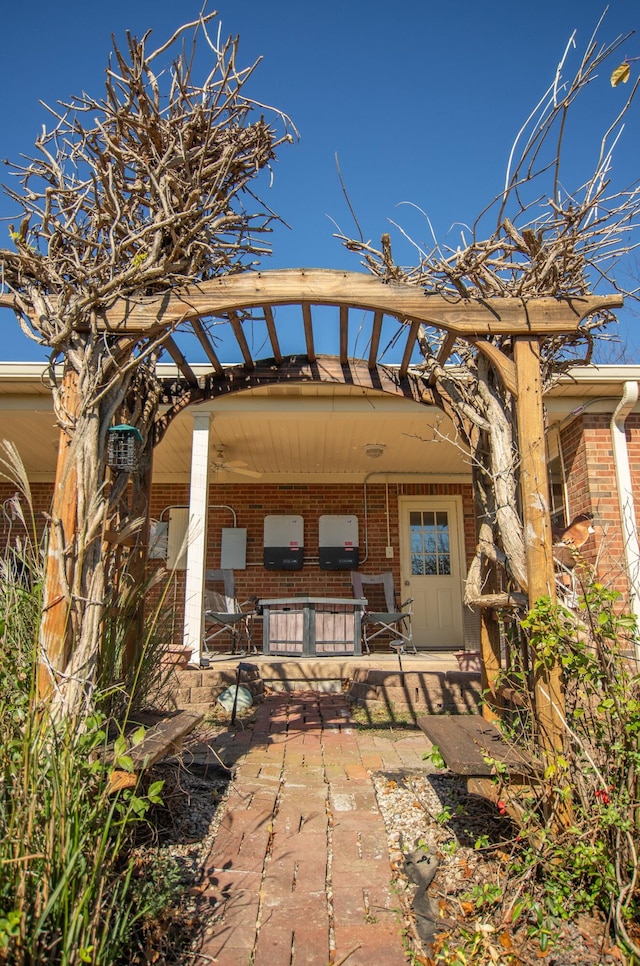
124	443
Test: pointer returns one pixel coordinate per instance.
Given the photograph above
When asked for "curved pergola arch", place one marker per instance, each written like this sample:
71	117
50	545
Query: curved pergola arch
473	319
462	317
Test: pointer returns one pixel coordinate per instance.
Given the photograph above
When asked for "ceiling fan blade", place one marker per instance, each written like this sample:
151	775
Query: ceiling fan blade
244	472
222	465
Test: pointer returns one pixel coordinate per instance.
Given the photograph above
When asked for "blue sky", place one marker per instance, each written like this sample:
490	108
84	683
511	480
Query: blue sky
420	100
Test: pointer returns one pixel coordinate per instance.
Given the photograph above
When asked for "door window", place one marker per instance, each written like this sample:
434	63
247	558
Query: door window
430	543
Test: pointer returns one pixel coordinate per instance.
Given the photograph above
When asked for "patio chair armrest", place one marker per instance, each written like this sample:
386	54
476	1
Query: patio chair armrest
252	601
405	603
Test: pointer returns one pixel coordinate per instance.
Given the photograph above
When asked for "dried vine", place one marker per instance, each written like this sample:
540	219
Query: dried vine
542	240
145	190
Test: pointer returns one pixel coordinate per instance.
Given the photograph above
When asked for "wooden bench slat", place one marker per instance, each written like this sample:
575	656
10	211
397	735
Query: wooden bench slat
465	740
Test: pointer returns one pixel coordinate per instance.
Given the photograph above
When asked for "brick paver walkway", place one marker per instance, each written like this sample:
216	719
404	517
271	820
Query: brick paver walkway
299	874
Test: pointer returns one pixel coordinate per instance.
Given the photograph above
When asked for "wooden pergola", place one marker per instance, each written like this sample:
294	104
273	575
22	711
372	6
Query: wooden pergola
527	323
255	296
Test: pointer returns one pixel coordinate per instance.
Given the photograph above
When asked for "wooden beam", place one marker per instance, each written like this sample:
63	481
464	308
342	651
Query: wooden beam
308	331
344	334
205	341
180	361
376	332
501	363
273	332
238	331
445	351
55	626
414	328
298	369
446	348
534	489
465	317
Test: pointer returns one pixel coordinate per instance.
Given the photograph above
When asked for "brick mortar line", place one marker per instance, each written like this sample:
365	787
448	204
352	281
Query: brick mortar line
329	869
269	850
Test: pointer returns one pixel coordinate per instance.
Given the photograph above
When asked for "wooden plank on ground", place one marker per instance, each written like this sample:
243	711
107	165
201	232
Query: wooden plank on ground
164	738
465	741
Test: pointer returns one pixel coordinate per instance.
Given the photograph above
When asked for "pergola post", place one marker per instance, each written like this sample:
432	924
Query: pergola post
55	632
491	658
534	489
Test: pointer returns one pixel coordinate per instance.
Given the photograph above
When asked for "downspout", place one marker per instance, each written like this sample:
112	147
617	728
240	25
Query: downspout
625	494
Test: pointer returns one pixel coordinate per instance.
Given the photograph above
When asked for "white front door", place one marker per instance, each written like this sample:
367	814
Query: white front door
432	552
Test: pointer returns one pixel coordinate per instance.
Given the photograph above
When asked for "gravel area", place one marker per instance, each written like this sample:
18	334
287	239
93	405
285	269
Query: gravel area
450	853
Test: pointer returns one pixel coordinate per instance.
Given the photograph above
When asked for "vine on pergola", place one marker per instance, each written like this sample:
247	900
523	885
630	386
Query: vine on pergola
146	190
543	240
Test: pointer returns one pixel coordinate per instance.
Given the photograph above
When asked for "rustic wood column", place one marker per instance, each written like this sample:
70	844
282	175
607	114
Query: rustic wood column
534	489
490	664
55	631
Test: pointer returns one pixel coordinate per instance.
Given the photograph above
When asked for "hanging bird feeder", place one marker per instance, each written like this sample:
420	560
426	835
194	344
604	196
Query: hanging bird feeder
124	443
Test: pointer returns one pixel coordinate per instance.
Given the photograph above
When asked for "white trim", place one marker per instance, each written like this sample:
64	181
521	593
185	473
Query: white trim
625	494
197	536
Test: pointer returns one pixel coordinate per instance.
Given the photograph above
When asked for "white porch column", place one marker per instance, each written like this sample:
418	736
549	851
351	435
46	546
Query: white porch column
197	536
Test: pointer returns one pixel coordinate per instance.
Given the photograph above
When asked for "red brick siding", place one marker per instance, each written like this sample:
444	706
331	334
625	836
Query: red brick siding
41	494
309	500
591	487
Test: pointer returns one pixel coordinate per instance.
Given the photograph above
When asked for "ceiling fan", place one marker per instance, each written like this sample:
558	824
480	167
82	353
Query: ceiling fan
221	465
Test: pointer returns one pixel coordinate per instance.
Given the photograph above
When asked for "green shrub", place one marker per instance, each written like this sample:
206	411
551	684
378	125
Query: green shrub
587	861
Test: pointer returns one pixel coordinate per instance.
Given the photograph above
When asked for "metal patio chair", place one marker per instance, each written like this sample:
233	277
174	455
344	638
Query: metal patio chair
226	622
395	621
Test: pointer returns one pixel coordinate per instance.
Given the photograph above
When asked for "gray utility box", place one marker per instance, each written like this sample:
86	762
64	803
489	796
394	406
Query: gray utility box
310	626
338	542
283	542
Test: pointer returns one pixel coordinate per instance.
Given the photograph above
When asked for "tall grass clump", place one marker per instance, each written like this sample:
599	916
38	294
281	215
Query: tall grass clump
73	888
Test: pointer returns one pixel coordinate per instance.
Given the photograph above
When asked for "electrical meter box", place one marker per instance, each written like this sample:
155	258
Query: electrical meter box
233	549
283	542
338	542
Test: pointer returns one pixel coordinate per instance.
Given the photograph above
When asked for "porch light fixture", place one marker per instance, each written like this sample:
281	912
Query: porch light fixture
374	450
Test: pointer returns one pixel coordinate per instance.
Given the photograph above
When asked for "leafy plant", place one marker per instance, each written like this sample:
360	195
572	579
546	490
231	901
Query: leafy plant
588	860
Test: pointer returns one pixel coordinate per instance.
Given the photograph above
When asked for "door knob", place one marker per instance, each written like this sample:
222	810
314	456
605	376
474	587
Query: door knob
407	583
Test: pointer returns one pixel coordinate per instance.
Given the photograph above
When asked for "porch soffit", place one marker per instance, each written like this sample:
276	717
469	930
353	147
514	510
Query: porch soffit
354	374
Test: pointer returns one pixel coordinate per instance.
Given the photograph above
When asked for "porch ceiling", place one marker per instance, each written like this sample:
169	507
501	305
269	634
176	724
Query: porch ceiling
315	432
294	432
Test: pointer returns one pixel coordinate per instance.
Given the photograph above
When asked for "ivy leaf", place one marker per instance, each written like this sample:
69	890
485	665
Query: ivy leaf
621	74
138	736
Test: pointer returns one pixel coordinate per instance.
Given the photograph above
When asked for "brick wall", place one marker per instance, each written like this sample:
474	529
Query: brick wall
252	503
10	526
591	488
